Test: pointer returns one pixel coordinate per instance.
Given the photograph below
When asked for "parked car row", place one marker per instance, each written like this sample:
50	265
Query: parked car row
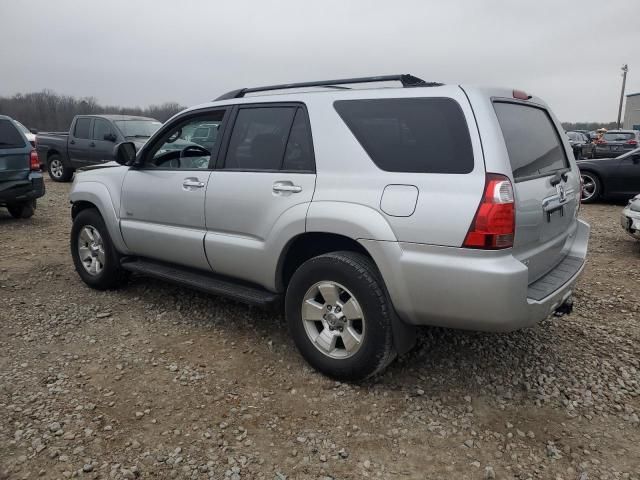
607	145
90	141
610	178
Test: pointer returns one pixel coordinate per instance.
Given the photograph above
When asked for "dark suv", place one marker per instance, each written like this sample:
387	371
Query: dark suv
616	142
20	178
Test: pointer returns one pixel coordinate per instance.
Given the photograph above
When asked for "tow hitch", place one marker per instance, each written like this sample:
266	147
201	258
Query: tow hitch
565	309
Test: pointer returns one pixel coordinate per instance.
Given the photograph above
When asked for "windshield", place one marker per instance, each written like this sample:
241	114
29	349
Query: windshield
574	136
618	136
138	128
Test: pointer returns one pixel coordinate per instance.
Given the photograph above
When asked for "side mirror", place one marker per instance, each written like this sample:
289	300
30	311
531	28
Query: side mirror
125	153
34	131
110	137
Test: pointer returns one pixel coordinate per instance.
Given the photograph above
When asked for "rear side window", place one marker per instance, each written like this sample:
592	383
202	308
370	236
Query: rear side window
82	128
259	138
416	135
299	153
10	136
532	141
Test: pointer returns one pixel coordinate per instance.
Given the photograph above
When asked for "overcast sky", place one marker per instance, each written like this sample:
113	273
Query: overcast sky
141	52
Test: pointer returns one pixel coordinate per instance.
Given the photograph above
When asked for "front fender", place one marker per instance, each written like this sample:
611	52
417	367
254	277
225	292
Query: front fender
97	194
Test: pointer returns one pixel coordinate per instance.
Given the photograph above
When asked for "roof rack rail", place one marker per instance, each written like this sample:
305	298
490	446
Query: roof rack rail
406	79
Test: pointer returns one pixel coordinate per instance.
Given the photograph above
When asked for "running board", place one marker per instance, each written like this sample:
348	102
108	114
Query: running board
205	282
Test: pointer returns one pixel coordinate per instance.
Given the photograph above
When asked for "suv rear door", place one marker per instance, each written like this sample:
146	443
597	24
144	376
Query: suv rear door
546	185
264	184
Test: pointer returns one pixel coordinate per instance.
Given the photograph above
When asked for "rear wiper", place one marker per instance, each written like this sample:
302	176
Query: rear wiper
555	180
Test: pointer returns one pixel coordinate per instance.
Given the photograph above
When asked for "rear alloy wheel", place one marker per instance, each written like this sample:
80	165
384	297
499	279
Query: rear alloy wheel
58	172
591	187
340	317
22	210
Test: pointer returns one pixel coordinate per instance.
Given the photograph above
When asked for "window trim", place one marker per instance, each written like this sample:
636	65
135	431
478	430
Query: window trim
545	110
142	157
226	140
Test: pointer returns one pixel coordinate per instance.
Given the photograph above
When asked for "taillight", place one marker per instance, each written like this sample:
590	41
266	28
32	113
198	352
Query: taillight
520	95
601	142
493	227
632	142
34	161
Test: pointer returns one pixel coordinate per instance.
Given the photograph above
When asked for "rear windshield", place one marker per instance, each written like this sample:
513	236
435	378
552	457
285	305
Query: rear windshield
618	136
576	137
10	136
533	142
417	135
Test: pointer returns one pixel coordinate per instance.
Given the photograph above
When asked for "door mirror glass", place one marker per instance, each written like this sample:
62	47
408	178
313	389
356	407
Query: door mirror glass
125	153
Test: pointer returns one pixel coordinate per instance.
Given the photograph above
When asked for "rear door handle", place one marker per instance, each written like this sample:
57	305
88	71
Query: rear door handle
192	183
92	144
72	142
286	187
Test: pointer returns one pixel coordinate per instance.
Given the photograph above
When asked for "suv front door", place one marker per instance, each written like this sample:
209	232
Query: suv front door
259	196
162	207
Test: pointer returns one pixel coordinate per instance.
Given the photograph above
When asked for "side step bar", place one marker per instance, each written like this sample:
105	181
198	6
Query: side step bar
205	282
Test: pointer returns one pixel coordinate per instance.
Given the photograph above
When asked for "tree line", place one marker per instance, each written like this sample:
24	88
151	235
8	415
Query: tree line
589	126
49	111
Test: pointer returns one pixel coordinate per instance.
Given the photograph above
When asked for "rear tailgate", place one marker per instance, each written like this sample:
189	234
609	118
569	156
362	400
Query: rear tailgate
14	153
546	184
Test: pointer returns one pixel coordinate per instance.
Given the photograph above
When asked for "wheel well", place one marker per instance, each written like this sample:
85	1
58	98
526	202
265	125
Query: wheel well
81	205
309	245
51	153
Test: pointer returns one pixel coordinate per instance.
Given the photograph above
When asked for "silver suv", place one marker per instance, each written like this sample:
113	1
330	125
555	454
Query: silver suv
367	211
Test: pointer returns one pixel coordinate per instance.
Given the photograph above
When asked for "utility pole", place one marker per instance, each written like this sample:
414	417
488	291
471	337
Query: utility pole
625	69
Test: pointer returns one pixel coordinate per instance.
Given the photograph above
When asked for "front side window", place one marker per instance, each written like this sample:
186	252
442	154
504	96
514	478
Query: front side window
415	135
189	145
532	141
259	138
10	136
82	128
101	128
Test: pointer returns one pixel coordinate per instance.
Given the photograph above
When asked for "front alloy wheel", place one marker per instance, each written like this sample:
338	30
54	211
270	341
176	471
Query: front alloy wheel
91	250
590	187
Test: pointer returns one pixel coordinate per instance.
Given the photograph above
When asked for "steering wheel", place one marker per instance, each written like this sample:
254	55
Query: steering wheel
195	149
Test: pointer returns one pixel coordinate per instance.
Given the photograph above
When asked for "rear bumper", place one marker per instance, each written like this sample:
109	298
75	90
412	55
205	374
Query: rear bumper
630	222
16	191
473	289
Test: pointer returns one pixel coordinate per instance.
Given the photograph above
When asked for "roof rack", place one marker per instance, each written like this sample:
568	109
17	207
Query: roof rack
406	80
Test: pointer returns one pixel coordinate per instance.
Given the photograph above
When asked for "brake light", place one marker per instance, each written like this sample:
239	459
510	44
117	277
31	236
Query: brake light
520	95
601	142
632	142
493	227
34	161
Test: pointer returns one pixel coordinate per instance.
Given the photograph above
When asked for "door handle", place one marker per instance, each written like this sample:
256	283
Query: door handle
286	187
92	144
192	183
72	142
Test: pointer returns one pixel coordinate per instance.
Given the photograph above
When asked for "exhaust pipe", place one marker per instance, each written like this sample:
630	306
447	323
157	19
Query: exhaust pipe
565	309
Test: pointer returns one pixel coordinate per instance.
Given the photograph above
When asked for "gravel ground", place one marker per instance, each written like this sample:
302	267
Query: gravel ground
155	381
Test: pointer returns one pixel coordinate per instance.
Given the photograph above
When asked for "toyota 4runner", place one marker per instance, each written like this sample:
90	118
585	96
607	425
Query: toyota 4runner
367	211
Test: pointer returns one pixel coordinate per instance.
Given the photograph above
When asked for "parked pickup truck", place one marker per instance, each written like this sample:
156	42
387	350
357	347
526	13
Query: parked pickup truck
90	140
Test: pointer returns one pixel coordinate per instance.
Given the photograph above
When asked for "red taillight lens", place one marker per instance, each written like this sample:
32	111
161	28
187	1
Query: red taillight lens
632	142
520	95
34	161
493	227
601	142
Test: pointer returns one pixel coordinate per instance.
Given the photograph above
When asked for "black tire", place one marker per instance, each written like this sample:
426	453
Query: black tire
65	173
111	275
22	210
359	276
597	185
